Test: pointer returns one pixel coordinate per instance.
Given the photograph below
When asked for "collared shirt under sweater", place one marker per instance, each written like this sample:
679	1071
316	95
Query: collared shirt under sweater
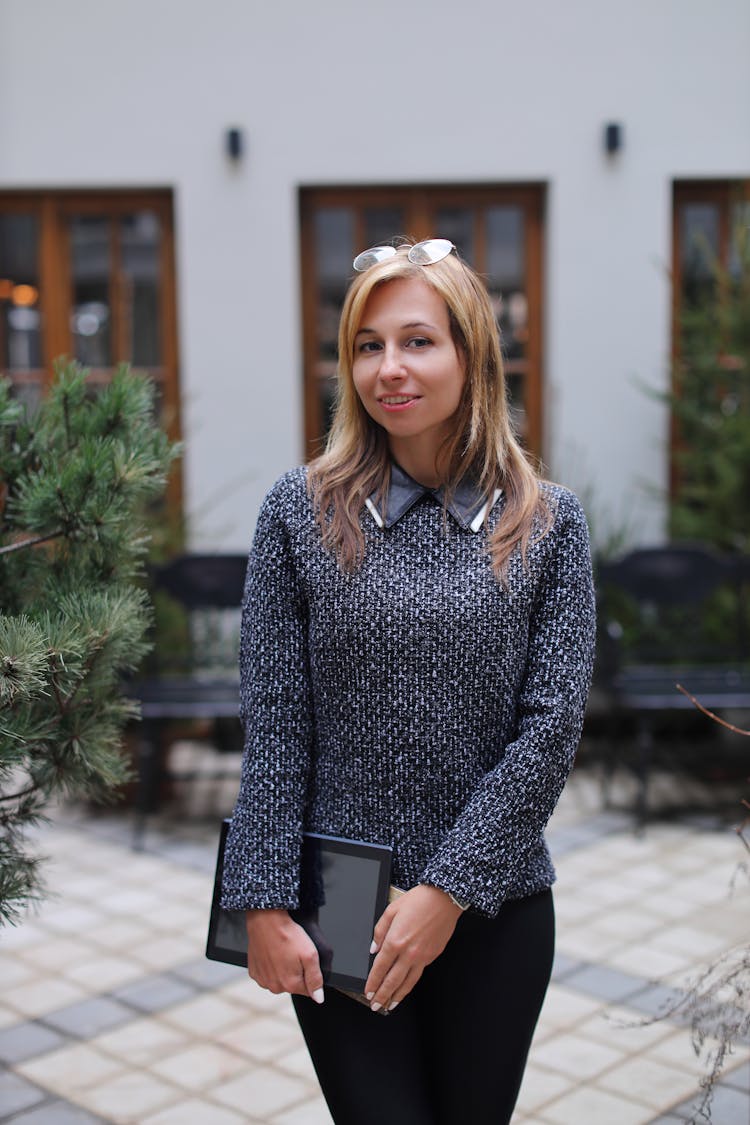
416	701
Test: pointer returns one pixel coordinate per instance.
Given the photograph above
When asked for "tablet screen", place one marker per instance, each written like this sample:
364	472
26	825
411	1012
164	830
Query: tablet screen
344	892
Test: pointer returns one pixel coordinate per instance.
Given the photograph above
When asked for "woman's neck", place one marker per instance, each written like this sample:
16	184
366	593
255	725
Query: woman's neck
417	460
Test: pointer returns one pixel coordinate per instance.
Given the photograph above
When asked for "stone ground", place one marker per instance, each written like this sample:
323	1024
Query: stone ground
109	1011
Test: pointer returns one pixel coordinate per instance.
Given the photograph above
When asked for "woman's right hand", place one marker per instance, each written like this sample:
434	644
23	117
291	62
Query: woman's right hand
280	955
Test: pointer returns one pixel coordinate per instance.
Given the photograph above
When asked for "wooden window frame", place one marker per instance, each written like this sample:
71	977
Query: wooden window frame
53	209
722	193
419	203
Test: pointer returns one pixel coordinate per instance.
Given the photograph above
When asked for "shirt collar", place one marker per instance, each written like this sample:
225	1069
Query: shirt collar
468	504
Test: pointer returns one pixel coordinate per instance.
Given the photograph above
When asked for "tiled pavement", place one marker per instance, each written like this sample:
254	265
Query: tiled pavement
110	1013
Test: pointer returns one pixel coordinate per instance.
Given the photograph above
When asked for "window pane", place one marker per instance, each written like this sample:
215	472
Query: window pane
91	265
382	224
457	224
140	237
699	248
739	227
505	249
334	251
506	279
20	318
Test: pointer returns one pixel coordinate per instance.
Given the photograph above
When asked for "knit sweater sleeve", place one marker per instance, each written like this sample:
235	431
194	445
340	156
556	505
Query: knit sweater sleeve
261	863
503	823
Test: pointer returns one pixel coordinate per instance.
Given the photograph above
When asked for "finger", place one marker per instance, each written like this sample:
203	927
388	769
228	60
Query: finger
390	986
406	986
382	927
312	977
380	967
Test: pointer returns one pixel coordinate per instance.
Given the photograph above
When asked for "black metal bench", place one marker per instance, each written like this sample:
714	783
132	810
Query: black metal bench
653	636
194	676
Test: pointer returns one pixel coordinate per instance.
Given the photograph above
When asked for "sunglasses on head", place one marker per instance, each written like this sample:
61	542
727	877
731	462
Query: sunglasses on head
425	253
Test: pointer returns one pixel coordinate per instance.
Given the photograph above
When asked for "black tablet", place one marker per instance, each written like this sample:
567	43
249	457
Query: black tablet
344	890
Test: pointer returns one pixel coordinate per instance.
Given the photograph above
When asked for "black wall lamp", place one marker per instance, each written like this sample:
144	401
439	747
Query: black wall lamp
234	143
613	137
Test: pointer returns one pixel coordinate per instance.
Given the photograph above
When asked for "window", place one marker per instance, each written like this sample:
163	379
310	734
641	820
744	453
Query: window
710	450
497	230
706	218
89	275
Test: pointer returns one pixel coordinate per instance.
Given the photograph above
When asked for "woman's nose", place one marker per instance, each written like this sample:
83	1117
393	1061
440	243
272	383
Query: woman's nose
391	366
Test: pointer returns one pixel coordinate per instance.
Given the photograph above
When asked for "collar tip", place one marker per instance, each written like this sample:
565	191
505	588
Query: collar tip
374	512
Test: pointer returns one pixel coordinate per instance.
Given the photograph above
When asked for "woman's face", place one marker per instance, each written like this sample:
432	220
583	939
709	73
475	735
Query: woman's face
407	369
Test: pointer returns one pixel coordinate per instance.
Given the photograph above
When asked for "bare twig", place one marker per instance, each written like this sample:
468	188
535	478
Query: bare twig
711	715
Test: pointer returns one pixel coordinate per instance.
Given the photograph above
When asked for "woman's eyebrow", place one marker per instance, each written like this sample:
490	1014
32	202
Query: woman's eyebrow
409	324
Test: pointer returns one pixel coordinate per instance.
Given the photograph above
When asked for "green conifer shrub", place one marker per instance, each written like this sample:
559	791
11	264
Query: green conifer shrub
76	478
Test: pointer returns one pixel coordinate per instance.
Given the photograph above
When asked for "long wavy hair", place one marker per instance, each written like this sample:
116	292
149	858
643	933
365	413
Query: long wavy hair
481	446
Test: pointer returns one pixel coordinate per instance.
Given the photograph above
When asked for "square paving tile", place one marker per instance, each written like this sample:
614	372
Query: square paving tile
590	1106
70	1069
57	1113
58	953
540	1086
162	953
314	1112
154	992
103	974
575	1056
200	1066
141	1042
89	1017
739	1077
25	1040
656	1084
194	1111
204	973
730	1106
119	933
207	1012
127	1099
563	1007
17	1094
266	1090
42	995
604	983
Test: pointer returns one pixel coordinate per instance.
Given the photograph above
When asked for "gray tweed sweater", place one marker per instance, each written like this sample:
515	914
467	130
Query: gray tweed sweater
415	702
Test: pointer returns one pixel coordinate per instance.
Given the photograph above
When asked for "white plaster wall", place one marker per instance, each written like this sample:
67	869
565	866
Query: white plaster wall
106	94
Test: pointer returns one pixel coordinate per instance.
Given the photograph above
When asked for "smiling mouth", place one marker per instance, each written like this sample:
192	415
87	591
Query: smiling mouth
398	400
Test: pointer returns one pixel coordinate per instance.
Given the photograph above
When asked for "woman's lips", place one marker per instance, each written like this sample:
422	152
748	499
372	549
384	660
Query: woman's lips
398	402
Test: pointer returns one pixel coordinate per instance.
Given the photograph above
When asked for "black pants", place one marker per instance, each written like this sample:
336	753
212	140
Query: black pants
454	1050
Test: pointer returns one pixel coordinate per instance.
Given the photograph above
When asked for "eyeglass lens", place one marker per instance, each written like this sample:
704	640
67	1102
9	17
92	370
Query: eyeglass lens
430	251
425	253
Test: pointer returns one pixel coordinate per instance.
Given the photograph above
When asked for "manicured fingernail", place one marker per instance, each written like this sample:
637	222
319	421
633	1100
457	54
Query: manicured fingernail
375	1007
374	947
393	1005
370	995
318	996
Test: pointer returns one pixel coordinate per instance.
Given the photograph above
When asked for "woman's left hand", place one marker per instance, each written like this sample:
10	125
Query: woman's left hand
411	932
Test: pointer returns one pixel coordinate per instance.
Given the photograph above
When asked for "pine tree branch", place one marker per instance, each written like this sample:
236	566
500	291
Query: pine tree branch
88	666
33	788
21	544
66	421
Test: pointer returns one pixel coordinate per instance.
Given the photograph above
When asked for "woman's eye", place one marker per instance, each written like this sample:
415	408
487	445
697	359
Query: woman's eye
418	342
369	346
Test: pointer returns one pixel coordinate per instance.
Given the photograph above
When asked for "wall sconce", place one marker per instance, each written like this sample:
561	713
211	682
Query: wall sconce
613	137
234	143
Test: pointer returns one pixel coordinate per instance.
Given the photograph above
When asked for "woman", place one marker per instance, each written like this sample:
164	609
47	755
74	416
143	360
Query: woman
416	653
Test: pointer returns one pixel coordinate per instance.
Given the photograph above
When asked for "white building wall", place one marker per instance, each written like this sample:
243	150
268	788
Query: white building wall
339	92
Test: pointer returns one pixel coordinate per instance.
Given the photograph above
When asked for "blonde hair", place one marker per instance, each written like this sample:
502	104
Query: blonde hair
482	445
